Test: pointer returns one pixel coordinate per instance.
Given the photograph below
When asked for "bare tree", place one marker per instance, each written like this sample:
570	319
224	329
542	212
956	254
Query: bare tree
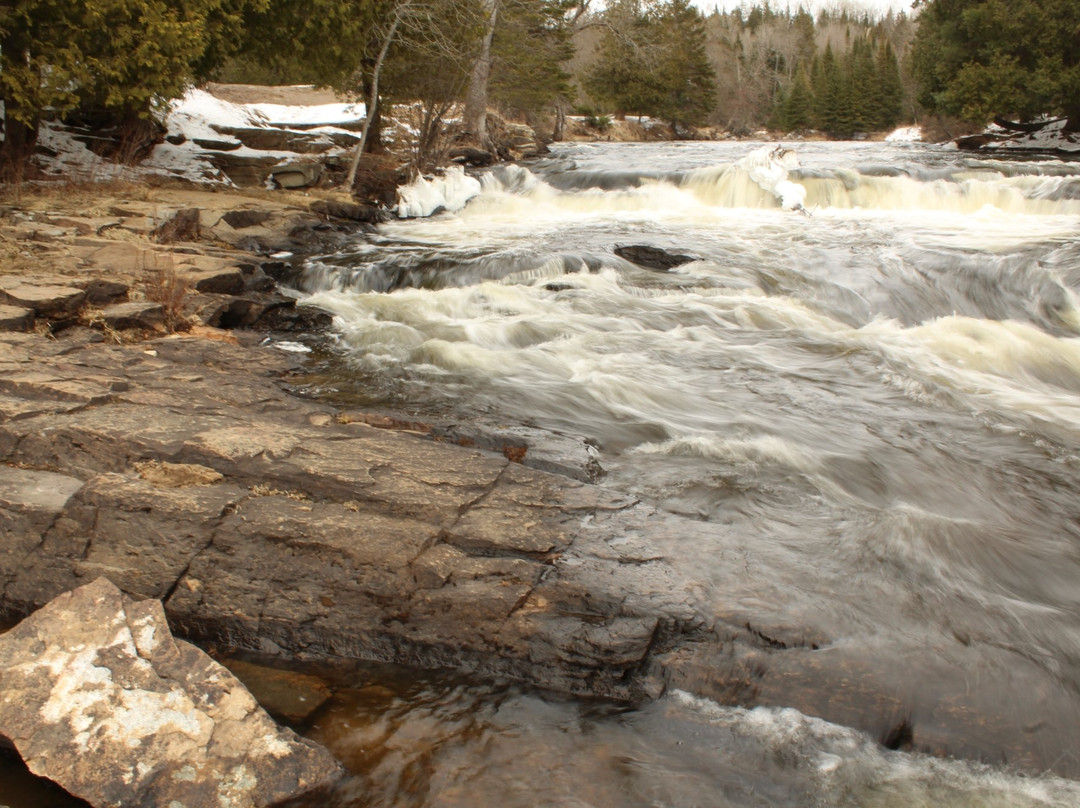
423	28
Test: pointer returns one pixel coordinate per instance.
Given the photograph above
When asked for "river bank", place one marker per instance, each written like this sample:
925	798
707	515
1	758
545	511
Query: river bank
183	469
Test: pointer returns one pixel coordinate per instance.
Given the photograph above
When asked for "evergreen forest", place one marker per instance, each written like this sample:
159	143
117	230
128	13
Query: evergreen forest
953	63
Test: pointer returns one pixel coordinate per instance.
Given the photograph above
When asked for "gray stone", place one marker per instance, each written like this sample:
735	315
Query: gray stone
45	300
136	314
98	696
296	174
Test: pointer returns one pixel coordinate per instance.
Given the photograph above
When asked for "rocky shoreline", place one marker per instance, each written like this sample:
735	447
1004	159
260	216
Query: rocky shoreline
179	467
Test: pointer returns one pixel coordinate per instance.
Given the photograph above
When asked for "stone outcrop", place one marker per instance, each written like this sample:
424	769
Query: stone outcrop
154	266
94	683
182	470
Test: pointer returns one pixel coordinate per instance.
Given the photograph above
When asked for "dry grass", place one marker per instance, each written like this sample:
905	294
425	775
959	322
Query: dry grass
73	196
162	284
95	318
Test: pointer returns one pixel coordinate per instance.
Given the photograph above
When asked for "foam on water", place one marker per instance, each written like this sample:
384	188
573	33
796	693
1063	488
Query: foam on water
885	394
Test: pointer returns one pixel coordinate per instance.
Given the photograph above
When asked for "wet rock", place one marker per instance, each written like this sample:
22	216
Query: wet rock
348	210
16	318
290	694
98	696
651	257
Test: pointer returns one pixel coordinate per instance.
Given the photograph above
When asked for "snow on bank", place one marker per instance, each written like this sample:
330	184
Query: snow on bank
1048	138
450	192
905	134
198	116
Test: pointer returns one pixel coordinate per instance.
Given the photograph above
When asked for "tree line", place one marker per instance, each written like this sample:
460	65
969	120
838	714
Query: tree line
115	63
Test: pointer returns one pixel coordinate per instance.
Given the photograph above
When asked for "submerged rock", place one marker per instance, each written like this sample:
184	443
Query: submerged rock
98	697
651	257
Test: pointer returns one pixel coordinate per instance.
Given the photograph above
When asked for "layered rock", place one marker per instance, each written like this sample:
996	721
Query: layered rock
181	469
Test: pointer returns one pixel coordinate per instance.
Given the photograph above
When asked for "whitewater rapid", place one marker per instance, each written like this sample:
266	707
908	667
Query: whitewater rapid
886	393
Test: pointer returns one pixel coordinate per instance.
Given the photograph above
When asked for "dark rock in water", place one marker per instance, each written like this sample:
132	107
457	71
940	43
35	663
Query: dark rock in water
99	697
291	695
348	210
972	142
477	158
652	257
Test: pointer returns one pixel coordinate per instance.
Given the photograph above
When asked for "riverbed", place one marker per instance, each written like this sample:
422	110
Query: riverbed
878	384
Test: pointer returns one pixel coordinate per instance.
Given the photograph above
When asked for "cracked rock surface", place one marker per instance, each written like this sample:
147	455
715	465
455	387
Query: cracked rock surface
97	696
182	470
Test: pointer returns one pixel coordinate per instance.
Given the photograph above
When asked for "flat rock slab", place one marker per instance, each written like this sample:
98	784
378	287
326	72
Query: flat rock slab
16	318
182	470
45	300
136	314
94	682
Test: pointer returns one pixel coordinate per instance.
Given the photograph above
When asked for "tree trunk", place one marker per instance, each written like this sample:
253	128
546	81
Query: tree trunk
18	146
372	111
559	131
475	116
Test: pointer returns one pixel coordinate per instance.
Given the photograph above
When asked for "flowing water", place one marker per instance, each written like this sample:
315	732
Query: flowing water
871	364
871	369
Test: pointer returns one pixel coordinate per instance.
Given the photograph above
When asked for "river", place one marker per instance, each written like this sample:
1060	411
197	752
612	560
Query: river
880	391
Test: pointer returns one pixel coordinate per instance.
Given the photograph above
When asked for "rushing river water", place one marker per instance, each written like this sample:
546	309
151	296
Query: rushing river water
883	390
886	390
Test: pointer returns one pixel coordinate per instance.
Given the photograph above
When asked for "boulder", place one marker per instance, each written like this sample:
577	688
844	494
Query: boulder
239	219
181	226
98	696
650	257
296	175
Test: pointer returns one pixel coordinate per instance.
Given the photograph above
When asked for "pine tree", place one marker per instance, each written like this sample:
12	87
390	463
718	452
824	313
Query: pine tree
798	102
114	56
890	88
685	75
977	58
652	61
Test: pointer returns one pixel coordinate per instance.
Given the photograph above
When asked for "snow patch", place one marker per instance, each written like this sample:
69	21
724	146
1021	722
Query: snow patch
769	169
199	115
905	134
450	192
